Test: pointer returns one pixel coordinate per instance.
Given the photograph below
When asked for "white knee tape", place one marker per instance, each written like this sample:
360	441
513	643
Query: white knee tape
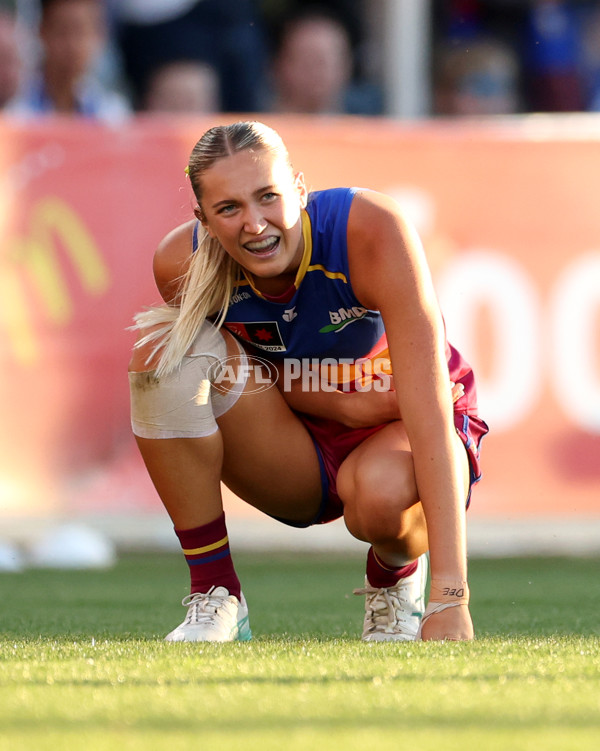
183	404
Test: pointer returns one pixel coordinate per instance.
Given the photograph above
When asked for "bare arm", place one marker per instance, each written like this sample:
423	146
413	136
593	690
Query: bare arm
357	409
389	273
171	261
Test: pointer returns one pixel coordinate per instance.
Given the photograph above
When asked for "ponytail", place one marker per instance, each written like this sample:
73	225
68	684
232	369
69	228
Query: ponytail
206	289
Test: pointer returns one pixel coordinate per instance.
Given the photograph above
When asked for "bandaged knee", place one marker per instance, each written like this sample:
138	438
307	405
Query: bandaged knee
184	404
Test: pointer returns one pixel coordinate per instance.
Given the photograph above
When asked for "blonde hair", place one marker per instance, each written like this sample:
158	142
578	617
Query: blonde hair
212	274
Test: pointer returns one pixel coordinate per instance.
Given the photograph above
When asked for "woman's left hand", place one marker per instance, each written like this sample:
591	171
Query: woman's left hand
451	624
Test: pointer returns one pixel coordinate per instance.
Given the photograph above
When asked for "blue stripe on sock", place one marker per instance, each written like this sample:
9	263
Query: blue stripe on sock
216	557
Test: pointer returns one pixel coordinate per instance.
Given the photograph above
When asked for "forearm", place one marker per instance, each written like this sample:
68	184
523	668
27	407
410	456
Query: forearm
354	409
318	402
442	475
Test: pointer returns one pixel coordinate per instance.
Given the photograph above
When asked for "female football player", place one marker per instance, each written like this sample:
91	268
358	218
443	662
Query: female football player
372	415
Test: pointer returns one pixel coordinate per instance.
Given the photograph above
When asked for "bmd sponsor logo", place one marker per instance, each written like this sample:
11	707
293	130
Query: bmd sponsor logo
342	317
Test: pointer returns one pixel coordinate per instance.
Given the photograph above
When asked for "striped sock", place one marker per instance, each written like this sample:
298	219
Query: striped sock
206	550
382	576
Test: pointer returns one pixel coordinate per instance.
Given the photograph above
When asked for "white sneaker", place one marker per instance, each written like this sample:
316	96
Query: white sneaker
214	616
394	613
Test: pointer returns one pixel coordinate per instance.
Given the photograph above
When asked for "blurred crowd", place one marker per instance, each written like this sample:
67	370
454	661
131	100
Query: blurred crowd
108	59
505	56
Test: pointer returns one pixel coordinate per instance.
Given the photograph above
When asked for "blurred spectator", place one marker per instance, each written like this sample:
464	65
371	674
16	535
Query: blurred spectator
352	13
227	34
72	35
11	64
590	57
312	67
558	66
183	86
477	77
551	57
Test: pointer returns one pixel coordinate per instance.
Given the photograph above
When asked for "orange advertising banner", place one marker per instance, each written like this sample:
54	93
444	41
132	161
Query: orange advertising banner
509	217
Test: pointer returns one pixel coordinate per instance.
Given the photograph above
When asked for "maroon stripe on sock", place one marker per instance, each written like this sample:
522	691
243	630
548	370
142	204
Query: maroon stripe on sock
381	577
215	567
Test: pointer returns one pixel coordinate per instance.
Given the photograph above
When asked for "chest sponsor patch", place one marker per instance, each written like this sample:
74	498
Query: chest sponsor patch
263	334
342	317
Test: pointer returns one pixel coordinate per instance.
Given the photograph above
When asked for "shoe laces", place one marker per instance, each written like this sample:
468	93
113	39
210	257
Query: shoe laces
385	607
204	607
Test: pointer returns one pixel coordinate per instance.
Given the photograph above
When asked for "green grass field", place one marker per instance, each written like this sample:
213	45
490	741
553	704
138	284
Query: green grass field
83	664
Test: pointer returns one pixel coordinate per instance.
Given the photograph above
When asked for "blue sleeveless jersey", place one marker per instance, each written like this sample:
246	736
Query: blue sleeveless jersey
321	316
319	322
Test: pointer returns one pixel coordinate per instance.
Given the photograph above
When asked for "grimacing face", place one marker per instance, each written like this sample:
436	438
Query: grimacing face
251	203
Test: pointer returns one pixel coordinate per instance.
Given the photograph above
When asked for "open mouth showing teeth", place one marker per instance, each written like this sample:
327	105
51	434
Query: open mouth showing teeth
264	246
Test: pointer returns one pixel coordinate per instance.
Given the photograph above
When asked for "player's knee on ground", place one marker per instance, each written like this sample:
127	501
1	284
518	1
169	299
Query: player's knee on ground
184	403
